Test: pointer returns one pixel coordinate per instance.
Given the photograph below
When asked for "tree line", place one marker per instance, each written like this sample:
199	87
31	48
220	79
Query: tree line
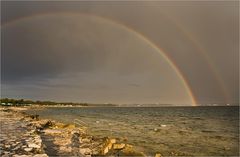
19	102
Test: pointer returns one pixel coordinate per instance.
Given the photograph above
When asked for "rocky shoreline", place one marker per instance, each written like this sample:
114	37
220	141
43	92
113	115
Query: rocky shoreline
28	135
17	137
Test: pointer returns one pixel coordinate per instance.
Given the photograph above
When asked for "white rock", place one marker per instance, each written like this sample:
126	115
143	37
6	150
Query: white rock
7	146
21	155
33	145
40	155
28	149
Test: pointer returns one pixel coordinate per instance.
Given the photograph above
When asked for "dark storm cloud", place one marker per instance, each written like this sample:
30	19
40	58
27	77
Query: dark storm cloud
31	55
28	50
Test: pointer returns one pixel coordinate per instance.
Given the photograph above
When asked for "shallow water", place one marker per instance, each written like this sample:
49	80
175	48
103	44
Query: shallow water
206	131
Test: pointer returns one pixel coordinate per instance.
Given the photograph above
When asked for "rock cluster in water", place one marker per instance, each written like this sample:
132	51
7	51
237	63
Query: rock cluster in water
28	135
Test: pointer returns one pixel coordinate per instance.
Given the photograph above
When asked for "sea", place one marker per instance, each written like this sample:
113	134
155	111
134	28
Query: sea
186	131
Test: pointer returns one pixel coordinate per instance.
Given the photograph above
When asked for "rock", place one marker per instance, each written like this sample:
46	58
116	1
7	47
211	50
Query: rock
40	155
105	150
43	124
113	140
108	146
52	131
118	146
85	140
38	126
128	150
6	153
38	140
69	126
158	155
16	148
65	149
85	151
95	152
33	145
36	117
162	125
28	149
22	155
7	146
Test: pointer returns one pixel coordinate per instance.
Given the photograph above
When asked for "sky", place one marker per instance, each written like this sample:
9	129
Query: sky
121	52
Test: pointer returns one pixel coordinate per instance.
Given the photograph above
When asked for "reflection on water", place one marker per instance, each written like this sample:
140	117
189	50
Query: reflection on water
184	130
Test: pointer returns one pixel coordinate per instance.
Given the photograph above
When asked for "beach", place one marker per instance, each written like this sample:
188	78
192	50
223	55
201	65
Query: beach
28	135
113	131
17	137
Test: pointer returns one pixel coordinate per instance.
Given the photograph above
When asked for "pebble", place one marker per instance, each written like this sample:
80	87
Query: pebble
85	151
21	155
158	155
28	149
118	146
40	155
33	145
16	148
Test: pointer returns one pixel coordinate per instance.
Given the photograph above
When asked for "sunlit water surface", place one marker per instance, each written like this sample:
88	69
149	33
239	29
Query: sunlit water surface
207	131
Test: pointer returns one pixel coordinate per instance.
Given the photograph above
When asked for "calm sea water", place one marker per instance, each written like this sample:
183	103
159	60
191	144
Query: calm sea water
201	131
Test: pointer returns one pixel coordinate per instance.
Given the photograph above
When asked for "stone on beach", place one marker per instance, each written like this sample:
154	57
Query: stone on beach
40	155
129	150
117	146
22	155
108	146
33	145
158	155
85	151
28	149
52	131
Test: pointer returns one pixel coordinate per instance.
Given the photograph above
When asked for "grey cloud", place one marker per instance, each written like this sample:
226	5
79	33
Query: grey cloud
46	49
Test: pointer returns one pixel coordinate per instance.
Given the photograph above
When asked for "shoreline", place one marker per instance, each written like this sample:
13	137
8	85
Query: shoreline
59	139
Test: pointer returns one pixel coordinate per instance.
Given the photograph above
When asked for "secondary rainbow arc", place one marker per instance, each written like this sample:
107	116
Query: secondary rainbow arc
202	51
